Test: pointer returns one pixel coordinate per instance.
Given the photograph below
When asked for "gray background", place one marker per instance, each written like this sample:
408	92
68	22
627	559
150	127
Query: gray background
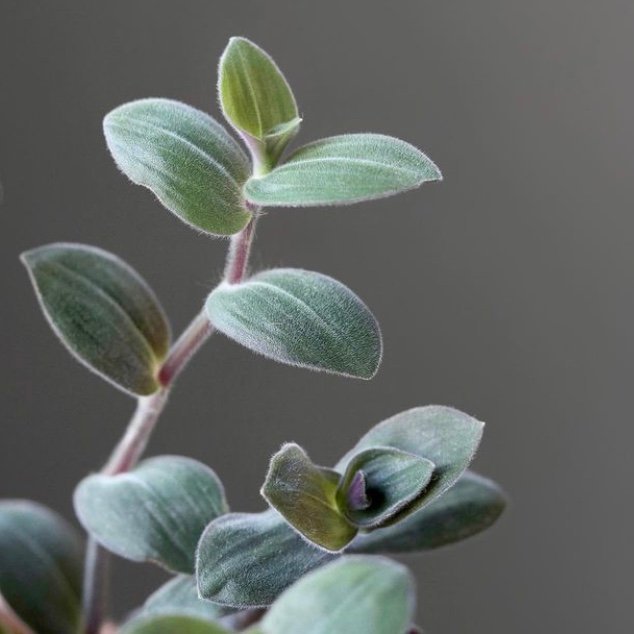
506	291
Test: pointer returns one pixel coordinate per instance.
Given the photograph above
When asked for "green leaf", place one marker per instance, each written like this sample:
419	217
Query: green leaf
446	436
40	567
343	169
156	512
186	158
392	480
301	318
180	596
355	595
248	559
472	505
102	311
255	97
171	624
305	495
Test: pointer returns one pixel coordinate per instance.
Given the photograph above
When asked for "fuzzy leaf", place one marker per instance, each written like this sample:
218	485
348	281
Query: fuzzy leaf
248	559
255	97
156	512
392	480
171	624
300	318
472	505
446	436
40	567
305	495
186	158
180	596
355	595
102	311
341	170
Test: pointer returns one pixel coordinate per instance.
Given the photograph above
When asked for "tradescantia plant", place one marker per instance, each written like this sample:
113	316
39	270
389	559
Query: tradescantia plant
314	562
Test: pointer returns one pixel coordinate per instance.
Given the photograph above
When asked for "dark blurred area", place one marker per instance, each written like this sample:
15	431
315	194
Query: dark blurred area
505	291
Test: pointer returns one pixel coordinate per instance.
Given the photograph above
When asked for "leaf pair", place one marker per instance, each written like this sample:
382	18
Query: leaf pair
199	173
40	567
108	317
355	595
395	469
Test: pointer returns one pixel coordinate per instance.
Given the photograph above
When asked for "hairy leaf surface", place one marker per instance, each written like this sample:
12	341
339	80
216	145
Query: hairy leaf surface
355	595
157	512
341	170
306	496
102	311
248	559
187	159
255	96
301	318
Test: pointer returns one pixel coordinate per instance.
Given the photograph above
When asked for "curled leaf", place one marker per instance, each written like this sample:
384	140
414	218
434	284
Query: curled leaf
445	436
471	506
305	495
392	480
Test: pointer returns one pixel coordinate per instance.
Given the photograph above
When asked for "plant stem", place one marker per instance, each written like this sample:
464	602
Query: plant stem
149	408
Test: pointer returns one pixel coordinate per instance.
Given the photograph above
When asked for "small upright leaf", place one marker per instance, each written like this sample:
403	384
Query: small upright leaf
472	505
392	480
40	567
156	512
179	596
248	559
255	97
355	595
341	170
446	436
300	318
171	624
190	162
305	495
102	311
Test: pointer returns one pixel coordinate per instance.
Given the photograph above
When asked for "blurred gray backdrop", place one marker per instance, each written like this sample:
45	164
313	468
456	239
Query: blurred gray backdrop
505	291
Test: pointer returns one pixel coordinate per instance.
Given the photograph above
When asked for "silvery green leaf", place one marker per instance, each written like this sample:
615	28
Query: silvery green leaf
186	158
248	559
171	624
392	480
306	496
255	97
155	512
301	318
472	505
446	436
103	312
341	170
355	595
180	596
40	567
